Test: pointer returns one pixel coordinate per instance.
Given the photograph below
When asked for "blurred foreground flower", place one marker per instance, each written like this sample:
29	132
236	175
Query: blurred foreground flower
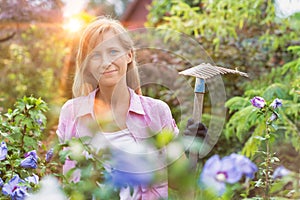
15	189
230	169
129	169
258	102
3	150
49	190
244	165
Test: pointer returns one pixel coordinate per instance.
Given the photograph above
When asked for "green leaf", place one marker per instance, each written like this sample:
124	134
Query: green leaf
28	123
30	143
276	90
278	185
237	103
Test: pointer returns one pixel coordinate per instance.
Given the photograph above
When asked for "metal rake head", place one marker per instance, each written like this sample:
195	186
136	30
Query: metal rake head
206	71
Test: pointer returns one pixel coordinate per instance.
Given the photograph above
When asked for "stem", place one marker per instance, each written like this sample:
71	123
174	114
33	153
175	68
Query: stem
12	170
23	136
267	168
24	130
297	182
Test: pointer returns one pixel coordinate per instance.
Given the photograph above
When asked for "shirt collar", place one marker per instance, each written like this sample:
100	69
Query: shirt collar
135	103
86	104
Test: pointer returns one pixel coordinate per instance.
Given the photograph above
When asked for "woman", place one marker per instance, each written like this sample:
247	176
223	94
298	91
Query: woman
107	89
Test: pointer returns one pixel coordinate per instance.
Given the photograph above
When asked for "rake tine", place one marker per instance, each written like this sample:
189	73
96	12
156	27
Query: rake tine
222	70
205	73
212	70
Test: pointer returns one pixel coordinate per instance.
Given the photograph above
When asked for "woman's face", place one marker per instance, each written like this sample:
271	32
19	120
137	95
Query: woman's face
108	61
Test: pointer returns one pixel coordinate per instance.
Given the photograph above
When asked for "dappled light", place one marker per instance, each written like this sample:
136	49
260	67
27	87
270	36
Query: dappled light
73	25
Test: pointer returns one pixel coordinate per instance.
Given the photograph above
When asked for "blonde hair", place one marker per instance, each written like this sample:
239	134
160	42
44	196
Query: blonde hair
84	83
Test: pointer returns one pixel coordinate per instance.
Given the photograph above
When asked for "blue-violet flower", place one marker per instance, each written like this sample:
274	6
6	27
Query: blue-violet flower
3	150
33	179
280	172
13	189
49	155
276	103
258	102
30	161
230	169
217	172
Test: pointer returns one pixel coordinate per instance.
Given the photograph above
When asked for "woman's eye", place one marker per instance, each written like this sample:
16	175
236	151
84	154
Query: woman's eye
96	55
113	52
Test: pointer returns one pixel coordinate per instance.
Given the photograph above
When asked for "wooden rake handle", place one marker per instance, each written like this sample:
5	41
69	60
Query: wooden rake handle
197	115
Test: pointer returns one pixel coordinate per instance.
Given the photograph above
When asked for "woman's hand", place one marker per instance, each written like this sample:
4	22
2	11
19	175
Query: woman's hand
198	139
197	129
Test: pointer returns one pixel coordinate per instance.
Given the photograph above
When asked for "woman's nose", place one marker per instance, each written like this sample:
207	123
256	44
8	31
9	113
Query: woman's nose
106	60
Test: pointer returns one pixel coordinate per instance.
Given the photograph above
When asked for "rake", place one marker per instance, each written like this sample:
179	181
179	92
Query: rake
203	72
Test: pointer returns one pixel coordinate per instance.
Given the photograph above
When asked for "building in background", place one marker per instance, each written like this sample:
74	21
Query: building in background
135	14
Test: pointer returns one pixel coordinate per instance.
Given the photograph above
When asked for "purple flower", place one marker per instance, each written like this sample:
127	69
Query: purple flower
129	169
276	103
244	164
19	193
31	153
49	155
3	150
280	172
230	169
13	189
217	172
39	121
33	179
258	102
30	161
1	182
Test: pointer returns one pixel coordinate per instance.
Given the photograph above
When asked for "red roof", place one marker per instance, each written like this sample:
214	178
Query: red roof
136	14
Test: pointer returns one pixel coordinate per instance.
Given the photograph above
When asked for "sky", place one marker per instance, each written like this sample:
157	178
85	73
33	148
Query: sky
73	7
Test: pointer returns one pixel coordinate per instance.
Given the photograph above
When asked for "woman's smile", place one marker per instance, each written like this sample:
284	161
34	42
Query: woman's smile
110	71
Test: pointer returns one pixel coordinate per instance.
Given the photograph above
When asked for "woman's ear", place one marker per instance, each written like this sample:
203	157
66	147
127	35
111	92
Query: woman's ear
129	56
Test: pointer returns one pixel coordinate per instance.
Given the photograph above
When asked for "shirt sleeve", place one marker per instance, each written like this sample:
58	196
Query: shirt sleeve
64	132
65	129
168	120
61	129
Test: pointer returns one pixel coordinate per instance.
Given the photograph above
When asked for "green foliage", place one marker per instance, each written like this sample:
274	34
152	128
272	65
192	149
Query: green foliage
262	138
220	20
243	34
282	83
31	67
160	9
23	125
21	129
280	187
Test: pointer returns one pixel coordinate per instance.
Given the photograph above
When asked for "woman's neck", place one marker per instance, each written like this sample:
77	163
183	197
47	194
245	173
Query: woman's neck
113	95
